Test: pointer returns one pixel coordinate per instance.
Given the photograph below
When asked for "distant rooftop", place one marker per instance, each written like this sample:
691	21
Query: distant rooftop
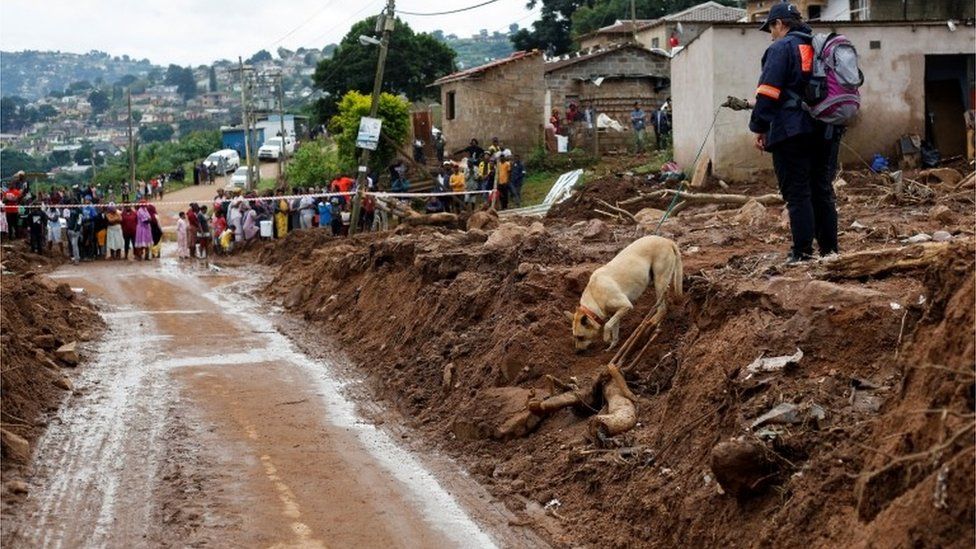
476	71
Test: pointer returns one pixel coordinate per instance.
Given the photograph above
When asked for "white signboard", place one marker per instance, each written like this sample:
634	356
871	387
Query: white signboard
369	133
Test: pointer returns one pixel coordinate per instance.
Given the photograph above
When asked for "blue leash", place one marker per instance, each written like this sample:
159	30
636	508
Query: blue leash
674	201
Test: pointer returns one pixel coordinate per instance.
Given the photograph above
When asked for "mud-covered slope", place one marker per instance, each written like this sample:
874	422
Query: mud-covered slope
458	329
38	316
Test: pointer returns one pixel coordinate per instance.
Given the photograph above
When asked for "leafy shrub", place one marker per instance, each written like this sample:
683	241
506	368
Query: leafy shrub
393	111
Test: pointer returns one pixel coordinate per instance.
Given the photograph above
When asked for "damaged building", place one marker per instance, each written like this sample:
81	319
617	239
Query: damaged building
918	80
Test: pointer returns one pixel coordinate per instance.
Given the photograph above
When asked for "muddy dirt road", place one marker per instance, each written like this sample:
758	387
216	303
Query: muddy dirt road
197	423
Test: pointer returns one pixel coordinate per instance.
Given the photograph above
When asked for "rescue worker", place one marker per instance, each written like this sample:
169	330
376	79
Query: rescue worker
804	150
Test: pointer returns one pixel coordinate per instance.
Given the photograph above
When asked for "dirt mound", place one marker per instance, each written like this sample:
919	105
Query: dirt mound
39	316
458	330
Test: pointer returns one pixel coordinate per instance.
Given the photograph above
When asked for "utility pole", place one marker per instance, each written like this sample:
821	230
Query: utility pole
633	18
281	120
245	121
132	149
357	200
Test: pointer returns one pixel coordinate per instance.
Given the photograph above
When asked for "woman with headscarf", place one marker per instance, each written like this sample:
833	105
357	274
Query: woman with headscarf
250	223
182	228
144	237
157	232
114	240
281	218
235	217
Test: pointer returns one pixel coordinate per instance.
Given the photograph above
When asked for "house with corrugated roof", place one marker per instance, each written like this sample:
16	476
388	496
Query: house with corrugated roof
503	98
665	33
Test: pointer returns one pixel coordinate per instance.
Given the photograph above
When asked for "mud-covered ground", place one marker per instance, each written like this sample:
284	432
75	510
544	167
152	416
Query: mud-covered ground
458	329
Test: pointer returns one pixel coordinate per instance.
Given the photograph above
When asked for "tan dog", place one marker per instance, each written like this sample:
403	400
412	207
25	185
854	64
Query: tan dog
614	287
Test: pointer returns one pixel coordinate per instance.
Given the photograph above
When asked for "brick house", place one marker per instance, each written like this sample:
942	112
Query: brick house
503	99
612	80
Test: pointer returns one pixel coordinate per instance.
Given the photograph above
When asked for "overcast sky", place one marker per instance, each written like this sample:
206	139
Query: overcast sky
189	32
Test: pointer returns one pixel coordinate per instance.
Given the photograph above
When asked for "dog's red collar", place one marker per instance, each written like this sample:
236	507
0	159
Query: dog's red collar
599	320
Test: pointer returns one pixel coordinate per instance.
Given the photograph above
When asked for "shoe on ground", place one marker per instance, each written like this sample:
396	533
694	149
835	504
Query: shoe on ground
794	258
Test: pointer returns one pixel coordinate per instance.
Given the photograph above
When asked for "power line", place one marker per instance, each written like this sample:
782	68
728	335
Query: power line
305	22
459	10
367	6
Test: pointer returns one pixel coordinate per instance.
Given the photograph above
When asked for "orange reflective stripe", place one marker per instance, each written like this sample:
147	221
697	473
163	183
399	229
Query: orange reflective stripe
771	92
806	57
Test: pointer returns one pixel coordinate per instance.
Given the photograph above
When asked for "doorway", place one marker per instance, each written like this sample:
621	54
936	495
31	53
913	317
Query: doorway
948	95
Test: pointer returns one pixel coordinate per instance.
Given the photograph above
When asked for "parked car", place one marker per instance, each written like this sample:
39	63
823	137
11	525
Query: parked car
272	148
239	179
224	161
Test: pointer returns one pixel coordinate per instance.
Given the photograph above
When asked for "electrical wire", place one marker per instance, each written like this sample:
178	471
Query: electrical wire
459	10
303	23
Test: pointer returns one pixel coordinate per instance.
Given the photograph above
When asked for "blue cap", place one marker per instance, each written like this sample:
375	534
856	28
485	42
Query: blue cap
782	10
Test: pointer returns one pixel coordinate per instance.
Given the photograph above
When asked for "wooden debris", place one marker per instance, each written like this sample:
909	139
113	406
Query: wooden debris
892	260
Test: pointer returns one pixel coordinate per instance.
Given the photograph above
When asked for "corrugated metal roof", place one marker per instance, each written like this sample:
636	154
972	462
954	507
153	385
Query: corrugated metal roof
557	64
474	71
707	12
622	27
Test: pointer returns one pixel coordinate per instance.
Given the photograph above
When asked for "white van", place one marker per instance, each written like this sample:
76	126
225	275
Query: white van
224	161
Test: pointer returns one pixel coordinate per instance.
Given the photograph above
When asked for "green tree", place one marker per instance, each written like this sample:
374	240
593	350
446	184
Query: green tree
46	112
136	116
263	55
12	161
187	84
156	132
551	32
414	60
393	111
99	101
60	158
12	113
173	75
212	79
315	163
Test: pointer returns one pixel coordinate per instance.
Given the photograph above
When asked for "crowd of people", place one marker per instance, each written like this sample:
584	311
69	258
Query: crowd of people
81	225
496	171
85	224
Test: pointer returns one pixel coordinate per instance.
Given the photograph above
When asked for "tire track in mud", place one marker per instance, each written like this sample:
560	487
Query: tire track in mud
199	423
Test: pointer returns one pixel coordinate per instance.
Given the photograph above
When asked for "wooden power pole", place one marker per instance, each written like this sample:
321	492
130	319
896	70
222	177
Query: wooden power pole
357	200
132	147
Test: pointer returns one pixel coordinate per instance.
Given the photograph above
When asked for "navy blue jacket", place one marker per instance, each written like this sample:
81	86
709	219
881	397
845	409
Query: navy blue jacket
786	68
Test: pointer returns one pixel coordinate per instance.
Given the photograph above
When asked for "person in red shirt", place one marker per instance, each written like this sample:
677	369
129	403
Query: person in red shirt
129	224
191	237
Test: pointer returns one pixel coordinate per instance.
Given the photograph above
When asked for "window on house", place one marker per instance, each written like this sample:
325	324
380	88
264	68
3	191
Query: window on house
449	106
813	13
655	42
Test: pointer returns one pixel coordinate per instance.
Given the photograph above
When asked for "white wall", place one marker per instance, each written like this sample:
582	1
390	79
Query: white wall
725	60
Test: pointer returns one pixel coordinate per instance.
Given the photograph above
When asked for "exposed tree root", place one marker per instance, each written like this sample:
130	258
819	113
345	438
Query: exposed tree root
888	261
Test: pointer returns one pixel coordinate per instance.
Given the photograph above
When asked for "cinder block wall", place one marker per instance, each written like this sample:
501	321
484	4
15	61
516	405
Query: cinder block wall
505	102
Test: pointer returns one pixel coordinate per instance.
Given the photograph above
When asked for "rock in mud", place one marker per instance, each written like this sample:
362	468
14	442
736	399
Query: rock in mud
65	291
15	447
941	213
483	221
941	236
62	382
68	353
596	229
649	217
507	235
783	414
750	213
18	487
741	468
45	341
